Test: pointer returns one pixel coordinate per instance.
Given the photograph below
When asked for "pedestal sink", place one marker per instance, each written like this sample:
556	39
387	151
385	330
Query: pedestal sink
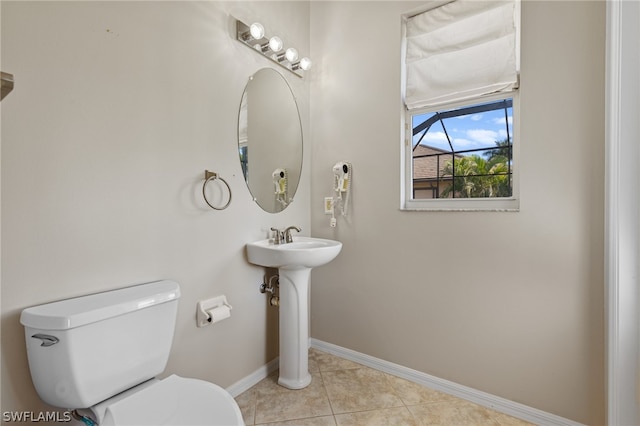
294	261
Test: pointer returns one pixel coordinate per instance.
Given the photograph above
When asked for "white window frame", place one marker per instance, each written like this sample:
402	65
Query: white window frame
407	203
460	204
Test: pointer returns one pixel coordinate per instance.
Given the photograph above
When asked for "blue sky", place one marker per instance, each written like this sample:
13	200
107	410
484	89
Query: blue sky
468	131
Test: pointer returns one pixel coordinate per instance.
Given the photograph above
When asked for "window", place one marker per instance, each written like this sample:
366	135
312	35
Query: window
464	152
461	102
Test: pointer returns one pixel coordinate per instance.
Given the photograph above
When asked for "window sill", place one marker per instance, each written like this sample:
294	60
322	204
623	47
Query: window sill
467	205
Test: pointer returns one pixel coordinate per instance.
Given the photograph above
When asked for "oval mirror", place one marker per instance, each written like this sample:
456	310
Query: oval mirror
270	140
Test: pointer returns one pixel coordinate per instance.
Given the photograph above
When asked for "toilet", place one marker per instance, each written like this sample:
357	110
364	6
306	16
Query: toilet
99	355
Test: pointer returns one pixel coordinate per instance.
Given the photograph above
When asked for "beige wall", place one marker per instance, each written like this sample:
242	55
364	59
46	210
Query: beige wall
118	109
507	303
112	122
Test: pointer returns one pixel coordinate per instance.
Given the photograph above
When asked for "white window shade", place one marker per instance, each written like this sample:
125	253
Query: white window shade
458	51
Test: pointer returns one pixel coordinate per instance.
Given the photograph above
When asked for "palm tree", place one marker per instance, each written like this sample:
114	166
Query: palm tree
477	177
464	171
503	149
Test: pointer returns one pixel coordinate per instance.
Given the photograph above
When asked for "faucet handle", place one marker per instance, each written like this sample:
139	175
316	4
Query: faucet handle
278	235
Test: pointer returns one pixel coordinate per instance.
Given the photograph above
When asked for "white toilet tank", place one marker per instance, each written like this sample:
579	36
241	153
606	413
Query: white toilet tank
84	350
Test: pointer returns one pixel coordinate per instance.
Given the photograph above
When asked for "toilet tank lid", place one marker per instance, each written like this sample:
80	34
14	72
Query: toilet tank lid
83	310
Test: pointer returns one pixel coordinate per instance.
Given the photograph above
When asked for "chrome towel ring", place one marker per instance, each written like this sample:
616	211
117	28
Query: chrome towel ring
208	176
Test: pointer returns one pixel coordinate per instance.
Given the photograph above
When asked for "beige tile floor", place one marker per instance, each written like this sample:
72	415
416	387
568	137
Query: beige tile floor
343	392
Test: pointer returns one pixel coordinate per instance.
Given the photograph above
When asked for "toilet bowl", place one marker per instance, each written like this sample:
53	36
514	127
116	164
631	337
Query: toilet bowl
171	401
99	356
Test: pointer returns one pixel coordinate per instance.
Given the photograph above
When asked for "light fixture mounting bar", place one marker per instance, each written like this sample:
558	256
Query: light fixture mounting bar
243	35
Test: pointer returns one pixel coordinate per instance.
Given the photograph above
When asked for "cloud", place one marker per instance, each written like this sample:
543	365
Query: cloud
461	143
483	136
500	121
435	137
476	117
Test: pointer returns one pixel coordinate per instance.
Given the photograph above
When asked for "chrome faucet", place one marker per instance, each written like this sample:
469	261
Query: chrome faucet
287	233
283	237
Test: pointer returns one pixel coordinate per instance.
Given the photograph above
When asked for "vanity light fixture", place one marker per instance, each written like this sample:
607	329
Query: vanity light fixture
272	48
290	55
254	32
303	64
274	44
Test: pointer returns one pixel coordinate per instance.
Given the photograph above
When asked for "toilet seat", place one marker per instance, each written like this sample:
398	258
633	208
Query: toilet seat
171	401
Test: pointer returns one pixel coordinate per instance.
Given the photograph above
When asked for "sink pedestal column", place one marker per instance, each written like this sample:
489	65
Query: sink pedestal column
294	328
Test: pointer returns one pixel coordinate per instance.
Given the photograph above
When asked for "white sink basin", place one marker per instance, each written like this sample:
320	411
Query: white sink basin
294	262
303	252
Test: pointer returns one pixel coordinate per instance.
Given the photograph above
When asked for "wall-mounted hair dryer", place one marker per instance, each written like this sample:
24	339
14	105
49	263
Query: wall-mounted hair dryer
279	176
341	171
342	175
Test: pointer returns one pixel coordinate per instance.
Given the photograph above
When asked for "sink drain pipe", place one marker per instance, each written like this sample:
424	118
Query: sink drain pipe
270	286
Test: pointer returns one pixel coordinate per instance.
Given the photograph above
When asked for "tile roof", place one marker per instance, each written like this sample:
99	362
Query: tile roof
425	168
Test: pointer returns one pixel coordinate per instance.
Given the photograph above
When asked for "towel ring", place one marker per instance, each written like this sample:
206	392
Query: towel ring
208	176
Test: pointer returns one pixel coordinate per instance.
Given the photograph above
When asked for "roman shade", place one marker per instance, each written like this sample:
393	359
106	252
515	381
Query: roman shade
460	50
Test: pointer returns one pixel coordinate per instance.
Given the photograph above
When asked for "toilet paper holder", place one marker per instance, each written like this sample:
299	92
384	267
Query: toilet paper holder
212	310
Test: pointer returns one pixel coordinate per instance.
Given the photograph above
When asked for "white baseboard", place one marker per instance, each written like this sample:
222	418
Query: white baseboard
252	379
497	403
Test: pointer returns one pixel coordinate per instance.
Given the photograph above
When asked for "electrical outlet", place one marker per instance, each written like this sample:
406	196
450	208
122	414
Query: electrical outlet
328	205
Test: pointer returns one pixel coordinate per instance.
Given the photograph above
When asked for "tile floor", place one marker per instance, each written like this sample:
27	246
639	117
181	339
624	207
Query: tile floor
343	392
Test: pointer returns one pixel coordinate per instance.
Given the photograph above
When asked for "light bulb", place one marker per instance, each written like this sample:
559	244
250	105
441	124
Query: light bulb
305	64
275	43
257	31
291	54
